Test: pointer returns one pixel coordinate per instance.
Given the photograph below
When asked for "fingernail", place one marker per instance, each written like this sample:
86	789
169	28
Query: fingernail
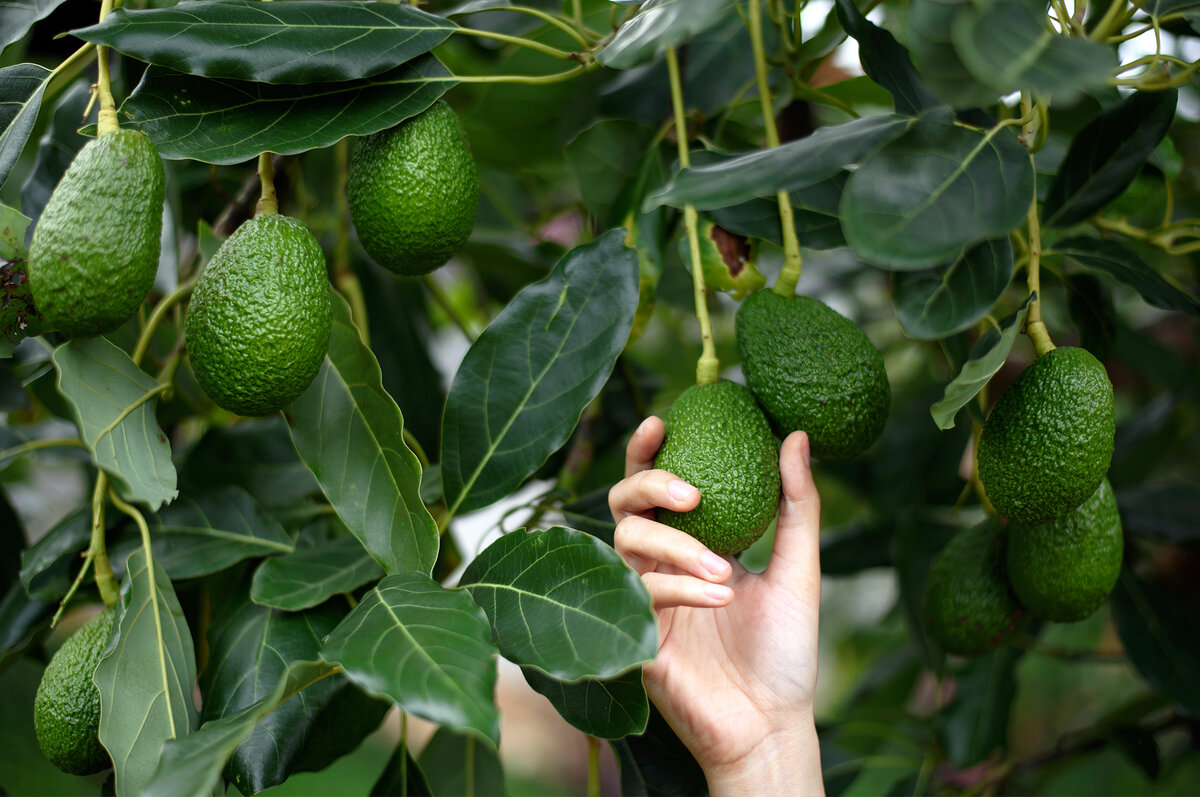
681	490
718	592
642	427
806	450
713	563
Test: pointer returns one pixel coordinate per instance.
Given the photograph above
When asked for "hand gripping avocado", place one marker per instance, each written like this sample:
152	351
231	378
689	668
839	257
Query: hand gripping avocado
718	440
66	709
1063	569
258	324
413	192
95	249
813	369
1049	440
969	607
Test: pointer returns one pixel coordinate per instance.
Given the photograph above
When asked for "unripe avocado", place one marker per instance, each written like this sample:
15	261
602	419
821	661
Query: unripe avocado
718	440
1049	440
259	320
95	249
969	608
813	369
1063	569
66	709
413	192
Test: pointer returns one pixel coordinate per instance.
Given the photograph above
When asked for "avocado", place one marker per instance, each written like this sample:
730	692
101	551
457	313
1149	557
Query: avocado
969	607
813	369
718	440
66	708
94	252
258	324
413	192
1063	569
1049	440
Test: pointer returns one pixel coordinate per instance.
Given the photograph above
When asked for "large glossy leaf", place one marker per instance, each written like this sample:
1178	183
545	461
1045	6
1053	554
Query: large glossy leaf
941	301
607	709
605	161
49	565
443	760
929	37
1113	260
524	383
987	356
255	455
106	392
18	16
660	24
657	762
21	89
56	149
814	216
563	602
146	677
789	167
1090	306
311	576
1161	636
427	648
935	190
288	41
975	724
349	432
21	617
1107	154
217	120
401	776
885	60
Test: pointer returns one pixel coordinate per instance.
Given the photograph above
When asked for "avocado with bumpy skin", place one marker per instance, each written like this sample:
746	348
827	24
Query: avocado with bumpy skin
94	252
718	440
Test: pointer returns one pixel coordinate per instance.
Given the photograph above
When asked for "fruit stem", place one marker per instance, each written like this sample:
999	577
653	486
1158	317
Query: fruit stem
106	121
520	41
34	445
268	204
106	580
593	777
442	300
156	317
708	367
785	285
1034	327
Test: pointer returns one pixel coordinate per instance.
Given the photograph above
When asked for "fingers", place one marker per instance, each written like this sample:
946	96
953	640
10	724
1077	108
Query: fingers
643	445
670	591
647	489
648	545
797	551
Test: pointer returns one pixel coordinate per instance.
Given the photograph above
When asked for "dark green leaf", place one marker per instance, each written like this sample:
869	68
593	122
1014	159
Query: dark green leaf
1165	512
146	677
287	42
607	709
522	386
18	16
371	477
789	167
660	24
1090	304
426	647
20	618
1161	8
1107	154
564	602
657	763
401	776
930	26
605	161
814	216
1140	745
255	455
107	394
443	760
1117	262
915	542
939	302
311	576
49	565
940	187
56	149
229	121
21	89
885	61
854	547
975	724
987	356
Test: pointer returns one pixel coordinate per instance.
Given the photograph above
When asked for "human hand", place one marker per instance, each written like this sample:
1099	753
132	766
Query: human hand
737	661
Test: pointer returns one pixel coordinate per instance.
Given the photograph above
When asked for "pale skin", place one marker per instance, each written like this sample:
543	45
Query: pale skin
737	661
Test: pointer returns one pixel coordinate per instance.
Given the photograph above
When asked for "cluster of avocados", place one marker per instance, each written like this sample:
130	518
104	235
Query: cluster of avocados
1043	457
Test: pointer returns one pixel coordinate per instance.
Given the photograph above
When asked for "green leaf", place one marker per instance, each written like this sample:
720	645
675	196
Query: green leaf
924	197
311	576
1090	305
660	24
657	762
1106	155
1163	512
370	476
402	775
1117	262
222	121
49	565
21	89
56	149
885	61
12	233
255	455
929	37
605	161
794	165
107	394
856	546
286	42
192	765
425	647
146	677
1161	8
987	356
524	383
611	708
21	618
975	724
442	762
939	302
18	16
563	602
814	216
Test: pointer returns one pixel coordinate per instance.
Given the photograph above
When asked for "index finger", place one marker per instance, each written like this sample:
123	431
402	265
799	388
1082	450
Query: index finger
646	440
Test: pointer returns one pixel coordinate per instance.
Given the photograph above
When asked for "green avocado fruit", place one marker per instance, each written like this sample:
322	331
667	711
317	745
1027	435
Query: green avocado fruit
719	441
813	369
94	251
66	709
1063	569
258	325
969	607
1049	440
413	192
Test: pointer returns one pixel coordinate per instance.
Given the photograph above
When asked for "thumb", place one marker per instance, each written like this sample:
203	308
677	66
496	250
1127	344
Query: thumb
796	555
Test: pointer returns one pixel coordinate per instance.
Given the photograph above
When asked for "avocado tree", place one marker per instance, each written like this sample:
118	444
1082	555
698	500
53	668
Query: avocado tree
975	185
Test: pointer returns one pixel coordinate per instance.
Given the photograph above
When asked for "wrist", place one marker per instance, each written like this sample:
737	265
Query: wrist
787	761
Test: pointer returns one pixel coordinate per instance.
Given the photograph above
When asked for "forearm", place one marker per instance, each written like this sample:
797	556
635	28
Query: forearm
785	763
